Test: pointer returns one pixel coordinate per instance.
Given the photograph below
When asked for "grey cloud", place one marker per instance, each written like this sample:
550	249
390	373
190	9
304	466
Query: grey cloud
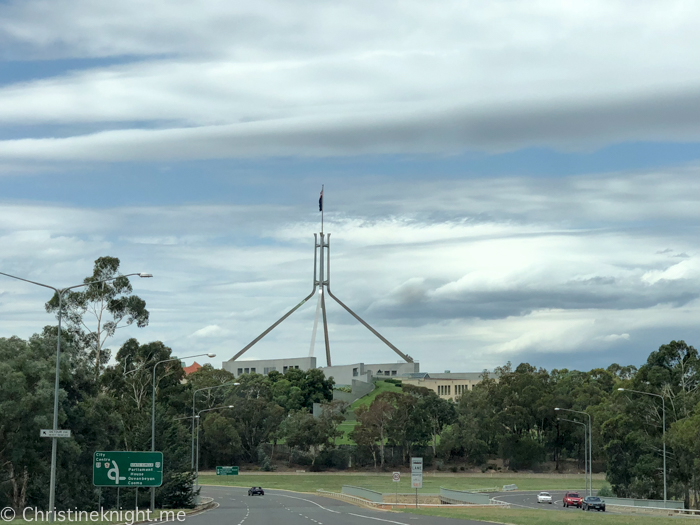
575	124
522	300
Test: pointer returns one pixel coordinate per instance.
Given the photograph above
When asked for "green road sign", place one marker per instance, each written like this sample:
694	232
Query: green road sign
227	471
127	469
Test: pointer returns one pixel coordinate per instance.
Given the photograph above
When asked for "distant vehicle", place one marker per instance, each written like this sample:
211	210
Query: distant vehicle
256	491
593	502
544	497
572	499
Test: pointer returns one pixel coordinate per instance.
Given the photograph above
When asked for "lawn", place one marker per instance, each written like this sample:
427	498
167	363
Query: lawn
543	517
379	387
346	427
310	482
349	424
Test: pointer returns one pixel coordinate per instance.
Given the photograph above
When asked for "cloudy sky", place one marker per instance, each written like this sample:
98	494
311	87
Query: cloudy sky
504	180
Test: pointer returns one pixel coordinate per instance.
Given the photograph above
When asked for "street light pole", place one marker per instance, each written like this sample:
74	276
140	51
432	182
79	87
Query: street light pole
193	416
663	427
198	419
590	445
153	412
585	446
54	440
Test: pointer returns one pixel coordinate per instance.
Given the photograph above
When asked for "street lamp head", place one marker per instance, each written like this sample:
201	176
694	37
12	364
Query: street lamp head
236	384
230	406
211	355
145	275
557	409
620	389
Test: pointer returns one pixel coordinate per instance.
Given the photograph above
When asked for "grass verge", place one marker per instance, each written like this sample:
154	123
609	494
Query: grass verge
383	483
544	517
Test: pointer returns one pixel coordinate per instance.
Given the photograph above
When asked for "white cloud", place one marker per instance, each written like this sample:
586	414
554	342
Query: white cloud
230	79
614	337
209	332
529	278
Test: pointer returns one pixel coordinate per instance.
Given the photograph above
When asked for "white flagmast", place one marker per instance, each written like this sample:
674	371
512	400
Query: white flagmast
320	290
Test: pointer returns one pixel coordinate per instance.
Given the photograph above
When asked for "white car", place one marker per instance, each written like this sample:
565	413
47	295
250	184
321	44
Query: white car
544	497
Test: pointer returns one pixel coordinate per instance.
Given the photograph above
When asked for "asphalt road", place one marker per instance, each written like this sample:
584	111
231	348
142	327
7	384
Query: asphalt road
278	507
528	499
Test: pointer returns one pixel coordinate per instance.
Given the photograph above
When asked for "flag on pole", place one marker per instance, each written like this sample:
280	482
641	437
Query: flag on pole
320	202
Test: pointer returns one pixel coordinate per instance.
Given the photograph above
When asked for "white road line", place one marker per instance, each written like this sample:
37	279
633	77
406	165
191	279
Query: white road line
378	519
304	499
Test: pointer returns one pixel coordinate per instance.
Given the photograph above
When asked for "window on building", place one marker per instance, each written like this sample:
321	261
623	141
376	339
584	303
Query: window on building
240	371
297	367
284	369
252	370
355	372
393	372
386	372
449	390
247	370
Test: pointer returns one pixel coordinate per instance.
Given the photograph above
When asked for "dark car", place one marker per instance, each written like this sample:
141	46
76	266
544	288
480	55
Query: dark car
593	502
256	491
572	499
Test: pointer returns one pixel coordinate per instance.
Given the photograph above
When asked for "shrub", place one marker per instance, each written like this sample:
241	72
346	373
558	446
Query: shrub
605	492
336	458
177	491
300	458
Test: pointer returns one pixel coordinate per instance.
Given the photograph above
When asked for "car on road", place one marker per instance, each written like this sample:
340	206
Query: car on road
256	491
572	499
544	497
593	502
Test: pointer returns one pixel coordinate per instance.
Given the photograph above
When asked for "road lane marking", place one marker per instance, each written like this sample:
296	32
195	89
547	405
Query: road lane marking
308	500
378	519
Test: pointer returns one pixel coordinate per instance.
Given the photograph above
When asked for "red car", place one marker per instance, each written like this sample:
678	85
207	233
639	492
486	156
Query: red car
572	499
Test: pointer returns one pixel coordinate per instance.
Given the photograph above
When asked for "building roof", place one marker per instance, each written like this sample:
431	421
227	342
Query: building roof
192	368
470	376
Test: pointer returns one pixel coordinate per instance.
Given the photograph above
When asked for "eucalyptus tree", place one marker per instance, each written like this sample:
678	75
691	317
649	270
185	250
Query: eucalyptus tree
96	312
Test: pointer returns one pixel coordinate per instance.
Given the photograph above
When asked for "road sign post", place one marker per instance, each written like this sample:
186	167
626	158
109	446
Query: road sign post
417	475
127	469
396	478
227	471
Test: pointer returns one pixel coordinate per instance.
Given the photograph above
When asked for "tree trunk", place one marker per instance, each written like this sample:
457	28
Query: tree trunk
19	488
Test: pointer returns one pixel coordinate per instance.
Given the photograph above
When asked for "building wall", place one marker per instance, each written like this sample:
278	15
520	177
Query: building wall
395	370
265	366
445	388
344	375
359	389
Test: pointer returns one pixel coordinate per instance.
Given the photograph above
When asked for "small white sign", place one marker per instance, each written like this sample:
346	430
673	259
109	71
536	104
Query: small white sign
417	473
396	476
417	480
49	433
416	464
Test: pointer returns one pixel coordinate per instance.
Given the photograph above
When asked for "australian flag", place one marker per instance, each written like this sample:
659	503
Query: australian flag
320	202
